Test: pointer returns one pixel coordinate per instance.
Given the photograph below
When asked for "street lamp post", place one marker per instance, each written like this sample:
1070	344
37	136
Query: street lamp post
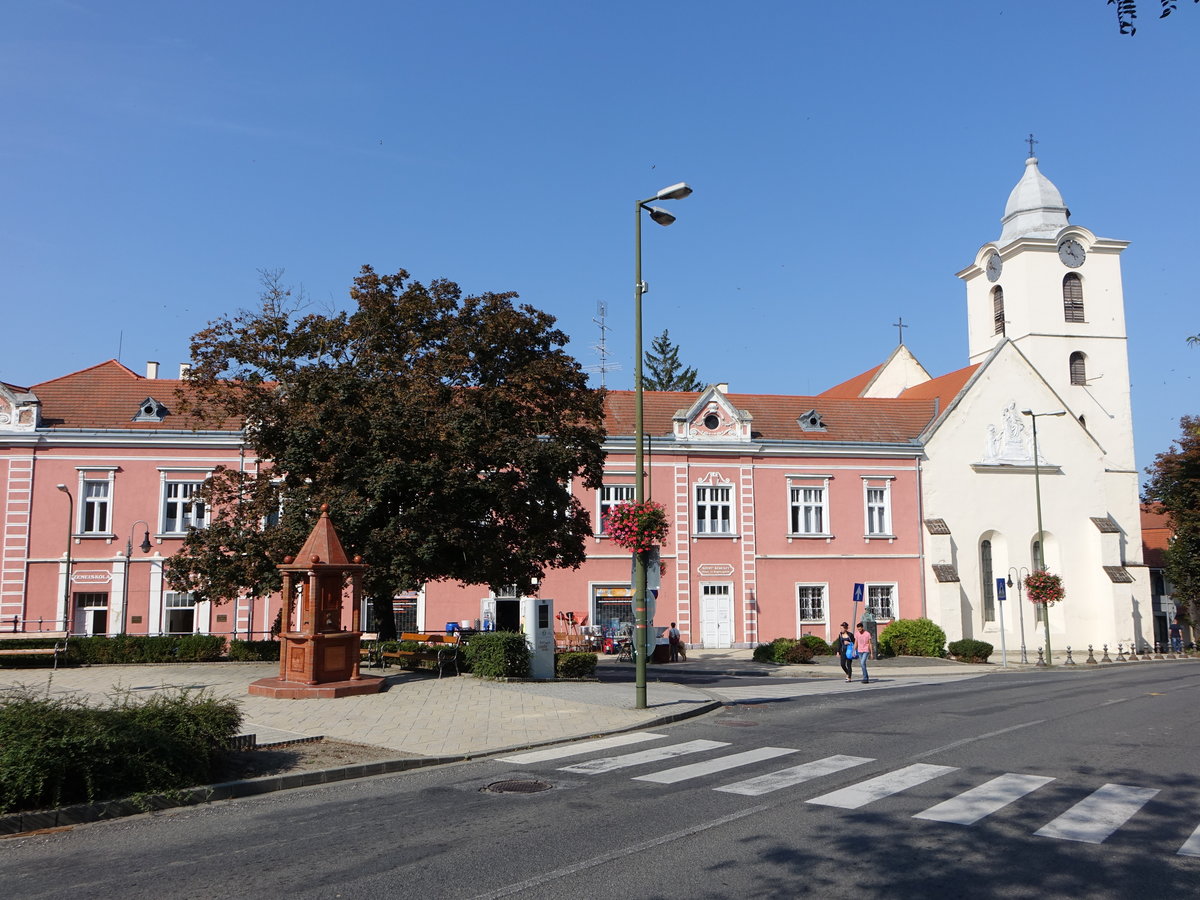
1039	561
1020	582
70	533
662	217
144	546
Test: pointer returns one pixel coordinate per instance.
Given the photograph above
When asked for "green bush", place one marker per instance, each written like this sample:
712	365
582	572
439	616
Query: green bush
58	751
775	651
912	637
498	654
818	645
799	653
575	665
972	651
200	648
253	651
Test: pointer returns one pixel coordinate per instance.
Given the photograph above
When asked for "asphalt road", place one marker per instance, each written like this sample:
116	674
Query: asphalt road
1036	784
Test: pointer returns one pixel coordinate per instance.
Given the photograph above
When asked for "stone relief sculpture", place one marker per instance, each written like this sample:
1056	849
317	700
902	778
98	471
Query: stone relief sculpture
1010	444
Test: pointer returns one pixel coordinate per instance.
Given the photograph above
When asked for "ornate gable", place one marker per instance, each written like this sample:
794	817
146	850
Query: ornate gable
712	418
19	409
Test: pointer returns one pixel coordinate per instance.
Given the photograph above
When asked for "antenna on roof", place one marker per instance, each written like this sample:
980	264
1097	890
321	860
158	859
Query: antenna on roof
601	347
120	342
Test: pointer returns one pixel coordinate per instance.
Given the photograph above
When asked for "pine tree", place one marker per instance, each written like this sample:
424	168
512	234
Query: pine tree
664	371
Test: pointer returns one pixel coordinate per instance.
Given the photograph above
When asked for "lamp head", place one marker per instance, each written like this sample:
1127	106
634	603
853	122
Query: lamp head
145	544
661	216
674	192
1027	412
63	488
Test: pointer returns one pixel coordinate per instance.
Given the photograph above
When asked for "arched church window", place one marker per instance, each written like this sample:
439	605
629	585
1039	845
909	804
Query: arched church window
989	590
1078	368
998	308
1072	297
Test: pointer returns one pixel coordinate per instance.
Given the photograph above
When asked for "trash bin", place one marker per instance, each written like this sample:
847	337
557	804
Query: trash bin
662	651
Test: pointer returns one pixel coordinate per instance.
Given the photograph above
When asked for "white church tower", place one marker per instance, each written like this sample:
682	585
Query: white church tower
1054	289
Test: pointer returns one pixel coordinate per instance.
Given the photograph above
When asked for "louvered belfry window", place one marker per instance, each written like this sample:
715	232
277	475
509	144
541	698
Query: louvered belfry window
1072	298
998	308
1078	368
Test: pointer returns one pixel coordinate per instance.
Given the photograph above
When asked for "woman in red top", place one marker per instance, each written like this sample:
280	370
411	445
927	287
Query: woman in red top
862	643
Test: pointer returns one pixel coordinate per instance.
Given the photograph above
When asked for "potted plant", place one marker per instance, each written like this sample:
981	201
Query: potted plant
1044	587
637	526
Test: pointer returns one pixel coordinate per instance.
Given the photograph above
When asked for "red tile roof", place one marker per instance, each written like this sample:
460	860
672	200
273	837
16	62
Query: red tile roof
945	387
882	420
109	395
854	387
1156	534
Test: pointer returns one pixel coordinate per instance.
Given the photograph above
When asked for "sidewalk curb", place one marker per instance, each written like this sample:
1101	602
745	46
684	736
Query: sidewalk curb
27	823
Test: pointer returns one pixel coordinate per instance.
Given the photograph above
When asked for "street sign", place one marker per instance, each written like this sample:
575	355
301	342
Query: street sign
1001	590
858	592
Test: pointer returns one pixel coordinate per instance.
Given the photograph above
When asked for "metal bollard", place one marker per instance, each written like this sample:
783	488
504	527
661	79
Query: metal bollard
1091	660
1070	661
1041	657
1121	652
1105	658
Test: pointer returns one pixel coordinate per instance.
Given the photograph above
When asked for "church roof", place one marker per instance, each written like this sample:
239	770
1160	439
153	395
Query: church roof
1035	207
776	417
855	386
109	395
944	388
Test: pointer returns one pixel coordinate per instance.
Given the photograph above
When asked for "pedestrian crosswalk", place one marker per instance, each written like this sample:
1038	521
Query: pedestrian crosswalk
1091	820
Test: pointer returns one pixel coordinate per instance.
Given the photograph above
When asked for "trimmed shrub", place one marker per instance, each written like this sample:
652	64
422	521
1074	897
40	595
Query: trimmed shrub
912	637
575	664
972	651
800	652
253	651
498	654
58	751
200	648
817	644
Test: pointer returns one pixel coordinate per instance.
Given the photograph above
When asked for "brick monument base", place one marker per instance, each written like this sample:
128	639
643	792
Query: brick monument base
279	689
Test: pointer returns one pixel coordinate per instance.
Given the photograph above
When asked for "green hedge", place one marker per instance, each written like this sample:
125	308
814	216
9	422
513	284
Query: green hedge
972	651
575	664
59	751
818	645
253	651
498	654
785	651
127	648
912	637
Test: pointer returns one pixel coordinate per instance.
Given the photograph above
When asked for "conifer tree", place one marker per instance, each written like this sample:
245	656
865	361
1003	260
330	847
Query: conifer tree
664	371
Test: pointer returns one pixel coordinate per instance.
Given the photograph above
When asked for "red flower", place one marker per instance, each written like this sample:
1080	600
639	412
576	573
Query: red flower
1044	587
638	527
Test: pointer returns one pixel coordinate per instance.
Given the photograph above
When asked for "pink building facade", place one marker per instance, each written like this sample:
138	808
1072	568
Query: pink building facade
778	506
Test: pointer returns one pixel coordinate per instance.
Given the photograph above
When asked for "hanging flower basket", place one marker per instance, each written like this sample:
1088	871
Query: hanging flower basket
1044	587
637	526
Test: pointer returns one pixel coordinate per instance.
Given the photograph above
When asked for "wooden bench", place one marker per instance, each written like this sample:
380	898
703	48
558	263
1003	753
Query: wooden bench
59	648
434	647
368	650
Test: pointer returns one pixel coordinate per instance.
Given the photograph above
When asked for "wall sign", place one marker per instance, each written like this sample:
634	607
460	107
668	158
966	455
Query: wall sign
92	577
711	569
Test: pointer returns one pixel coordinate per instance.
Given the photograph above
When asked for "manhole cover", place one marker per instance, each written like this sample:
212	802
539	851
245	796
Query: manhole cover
517	787
736	723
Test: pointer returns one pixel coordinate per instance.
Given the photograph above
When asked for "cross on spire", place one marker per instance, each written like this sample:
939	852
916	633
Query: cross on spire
1029	140
900	326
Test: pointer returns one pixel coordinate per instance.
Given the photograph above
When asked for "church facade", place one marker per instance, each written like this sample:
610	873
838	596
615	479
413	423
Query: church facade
925	490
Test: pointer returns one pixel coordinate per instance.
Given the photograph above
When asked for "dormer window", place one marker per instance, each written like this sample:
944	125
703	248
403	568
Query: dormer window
811	421
150	411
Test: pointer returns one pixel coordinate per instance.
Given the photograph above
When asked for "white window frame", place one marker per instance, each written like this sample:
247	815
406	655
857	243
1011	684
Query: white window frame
185	518
823	594
877	518
800	506
97	506
606	499
94	475
714	495
172	600
893	595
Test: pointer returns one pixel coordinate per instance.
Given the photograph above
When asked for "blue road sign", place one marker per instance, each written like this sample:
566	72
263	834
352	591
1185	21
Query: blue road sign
858	592
1001	593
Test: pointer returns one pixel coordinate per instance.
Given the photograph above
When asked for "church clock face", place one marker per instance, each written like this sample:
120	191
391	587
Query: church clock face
1071	253
994	265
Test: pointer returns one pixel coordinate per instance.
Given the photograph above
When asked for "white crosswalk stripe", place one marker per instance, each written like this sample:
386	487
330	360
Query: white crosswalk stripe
1191	847
1098	815
562	752
611	763
971	806
784	778
721	764
859	795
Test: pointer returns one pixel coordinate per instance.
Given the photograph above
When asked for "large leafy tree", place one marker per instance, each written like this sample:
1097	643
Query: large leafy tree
1175	484
664	370
442	430
1127	12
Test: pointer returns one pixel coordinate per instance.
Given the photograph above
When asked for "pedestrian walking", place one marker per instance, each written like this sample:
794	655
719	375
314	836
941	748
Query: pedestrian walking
863	647
843	642
674	641
1176	636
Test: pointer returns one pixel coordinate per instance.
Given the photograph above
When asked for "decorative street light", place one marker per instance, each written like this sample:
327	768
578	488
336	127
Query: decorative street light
1039	556
70	535
662	217
1020	574
144	546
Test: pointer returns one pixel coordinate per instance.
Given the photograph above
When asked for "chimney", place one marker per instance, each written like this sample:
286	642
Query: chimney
185	369
723	387
151	369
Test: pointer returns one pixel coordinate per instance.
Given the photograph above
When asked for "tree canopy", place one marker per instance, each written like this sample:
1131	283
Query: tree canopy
1127	12
1175	484
664	370
442	430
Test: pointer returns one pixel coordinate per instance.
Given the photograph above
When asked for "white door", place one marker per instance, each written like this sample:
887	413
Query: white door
716	615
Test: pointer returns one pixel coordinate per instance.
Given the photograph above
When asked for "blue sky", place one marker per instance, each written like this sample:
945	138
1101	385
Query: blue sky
847	160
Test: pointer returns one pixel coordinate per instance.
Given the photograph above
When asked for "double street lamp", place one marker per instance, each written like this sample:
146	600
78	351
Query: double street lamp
1039	556
144	546
640	641
70	535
